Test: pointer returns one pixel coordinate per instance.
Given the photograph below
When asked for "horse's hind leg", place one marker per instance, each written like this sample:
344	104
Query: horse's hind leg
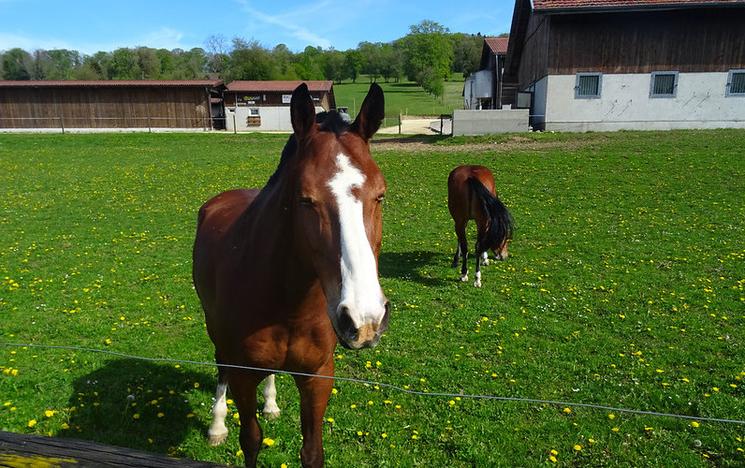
477	282
271	410
218	432
460	231
456	258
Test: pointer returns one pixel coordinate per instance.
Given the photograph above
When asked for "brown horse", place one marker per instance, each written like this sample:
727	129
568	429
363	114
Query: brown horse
471	195
284	272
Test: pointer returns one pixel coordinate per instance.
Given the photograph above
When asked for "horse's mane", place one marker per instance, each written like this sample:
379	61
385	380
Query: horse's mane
330	121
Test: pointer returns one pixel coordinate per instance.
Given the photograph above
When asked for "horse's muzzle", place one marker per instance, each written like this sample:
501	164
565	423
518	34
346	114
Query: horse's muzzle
365	336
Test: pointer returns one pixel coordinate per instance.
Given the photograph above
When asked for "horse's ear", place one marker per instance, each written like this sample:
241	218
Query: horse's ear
302	111
371	113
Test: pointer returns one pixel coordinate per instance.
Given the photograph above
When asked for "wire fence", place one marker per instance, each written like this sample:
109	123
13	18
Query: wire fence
393	387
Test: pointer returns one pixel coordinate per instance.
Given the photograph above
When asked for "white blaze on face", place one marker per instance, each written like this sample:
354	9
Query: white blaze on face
360	289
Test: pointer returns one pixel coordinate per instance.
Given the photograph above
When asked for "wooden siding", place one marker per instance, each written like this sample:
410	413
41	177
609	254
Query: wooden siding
684	41
534	61
97	107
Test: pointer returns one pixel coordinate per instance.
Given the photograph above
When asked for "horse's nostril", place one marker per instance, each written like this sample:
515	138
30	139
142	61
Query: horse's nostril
346	324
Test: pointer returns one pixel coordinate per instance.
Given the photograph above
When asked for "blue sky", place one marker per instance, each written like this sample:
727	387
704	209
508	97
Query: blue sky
90	26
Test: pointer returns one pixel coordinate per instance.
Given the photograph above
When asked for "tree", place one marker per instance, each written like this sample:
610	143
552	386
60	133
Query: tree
428	55
308	65
217	54
284	59
124	65
149	63
353	64
333	67
16	64
467	52
250	61
391	61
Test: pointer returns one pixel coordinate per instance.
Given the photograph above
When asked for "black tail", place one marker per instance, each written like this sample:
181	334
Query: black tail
500	219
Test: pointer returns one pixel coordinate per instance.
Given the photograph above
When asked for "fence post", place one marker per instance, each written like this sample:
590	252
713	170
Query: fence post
62	125
149	127
399	123
235	128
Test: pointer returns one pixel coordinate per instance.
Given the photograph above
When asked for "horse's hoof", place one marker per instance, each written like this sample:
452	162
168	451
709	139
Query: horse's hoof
271	415
477	283
218	439
464	278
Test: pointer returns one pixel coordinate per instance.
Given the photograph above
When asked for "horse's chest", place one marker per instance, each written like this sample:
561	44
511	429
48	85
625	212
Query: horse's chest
281	348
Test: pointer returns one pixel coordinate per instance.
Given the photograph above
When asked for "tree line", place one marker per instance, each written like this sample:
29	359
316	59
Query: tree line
427	55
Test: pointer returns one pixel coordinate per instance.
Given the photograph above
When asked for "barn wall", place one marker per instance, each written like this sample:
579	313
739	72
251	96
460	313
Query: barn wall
97	107
694	40
535	55
624	103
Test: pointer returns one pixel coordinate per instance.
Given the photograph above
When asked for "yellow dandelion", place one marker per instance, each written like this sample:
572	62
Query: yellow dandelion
554	452
353	406
359	433
334	391
567	410
229	401
136	416
50	413
615	429
695	424
553	459
160	415
330	420
648	428
715	389
268	442
384	435
107	341
577	447
65	426
31	423
283	465
451	402
239	453
611	416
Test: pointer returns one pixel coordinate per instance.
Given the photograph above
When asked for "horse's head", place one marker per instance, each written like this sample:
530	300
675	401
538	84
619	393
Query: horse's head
337	217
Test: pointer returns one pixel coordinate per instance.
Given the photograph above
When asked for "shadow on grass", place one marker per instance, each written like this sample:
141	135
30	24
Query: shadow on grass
136	404
408	266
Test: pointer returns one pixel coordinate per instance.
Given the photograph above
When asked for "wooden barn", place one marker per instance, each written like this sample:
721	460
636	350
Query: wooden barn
265	105
484	88
110	105
623	64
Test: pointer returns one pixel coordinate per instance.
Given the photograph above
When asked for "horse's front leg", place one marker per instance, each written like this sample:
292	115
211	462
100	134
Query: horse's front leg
243	387
314	396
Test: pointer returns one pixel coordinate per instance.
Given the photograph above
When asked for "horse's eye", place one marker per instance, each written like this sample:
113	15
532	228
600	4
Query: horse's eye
380	198
307	201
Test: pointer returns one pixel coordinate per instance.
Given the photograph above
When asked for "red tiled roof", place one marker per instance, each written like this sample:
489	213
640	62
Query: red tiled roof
498	45
107	83
277	86
552	5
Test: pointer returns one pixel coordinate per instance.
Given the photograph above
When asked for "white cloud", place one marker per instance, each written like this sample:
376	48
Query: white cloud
291	22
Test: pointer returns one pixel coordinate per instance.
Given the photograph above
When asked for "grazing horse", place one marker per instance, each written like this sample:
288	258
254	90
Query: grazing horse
284	272
471	195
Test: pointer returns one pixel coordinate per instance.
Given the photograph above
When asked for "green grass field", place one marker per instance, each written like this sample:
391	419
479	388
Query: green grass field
626	287
405	98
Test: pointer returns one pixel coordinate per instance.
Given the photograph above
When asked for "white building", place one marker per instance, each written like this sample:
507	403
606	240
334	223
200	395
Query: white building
623	64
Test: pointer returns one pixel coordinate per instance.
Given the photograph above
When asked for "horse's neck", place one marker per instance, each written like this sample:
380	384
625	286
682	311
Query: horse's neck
267	248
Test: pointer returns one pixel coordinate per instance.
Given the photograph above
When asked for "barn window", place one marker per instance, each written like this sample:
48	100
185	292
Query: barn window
663	84
588	86
736	83
254	118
